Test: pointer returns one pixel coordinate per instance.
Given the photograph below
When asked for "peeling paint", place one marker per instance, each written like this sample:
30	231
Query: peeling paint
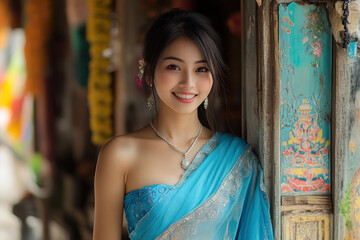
335	16
347	147
350	204
285	29
251	29
287	20
303	226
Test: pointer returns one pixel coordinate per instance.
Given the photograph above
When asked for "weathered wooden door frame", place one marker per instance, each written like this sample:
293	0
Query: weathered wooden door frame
260	81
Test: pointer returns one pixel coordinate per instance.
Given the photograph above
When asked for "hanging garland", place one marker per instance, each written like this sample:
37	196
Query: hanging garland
99	84
37	31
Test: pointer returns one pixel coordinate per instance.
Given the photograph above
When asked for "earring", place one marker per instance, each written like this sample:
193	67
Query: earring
151	101
206	103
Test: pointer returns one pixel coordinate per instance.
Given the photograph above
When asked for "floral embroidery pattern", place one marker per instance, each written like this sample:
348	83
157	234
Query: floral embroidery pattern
138	202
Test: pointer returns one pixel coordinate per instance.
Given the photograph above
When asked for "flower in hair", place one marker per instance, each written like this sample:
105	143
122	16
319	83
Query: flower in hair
140	73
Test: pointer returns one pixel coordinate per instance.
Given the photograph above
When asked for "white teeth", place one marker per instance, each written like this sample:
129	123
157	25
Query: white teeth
184	96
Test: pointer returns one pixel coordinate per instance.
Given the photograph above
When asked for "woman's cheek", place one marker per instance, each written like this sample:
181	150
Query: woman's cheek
163	82
168	76
165	78
206	83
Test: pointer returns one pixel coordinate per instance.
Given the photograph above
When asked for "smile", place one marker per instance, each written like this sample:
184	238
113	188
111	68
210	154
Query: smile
185	98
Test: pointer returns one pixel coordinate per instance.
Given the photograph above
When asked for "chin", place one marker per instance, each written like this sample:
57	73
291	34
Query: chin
178	107
184	109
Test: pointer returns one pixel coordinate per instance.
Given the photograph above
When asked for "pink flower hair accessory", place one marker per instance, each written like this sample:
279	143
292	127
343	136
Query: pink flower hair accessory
140	73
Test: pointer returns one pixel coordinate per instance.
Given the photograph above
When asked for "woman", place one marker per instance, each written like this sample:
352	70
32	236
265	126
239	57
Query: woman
178	178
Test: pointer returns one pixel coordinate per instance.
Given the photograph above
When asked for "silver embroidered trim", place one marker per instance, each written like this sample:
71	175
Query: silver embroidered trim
186	227
199	158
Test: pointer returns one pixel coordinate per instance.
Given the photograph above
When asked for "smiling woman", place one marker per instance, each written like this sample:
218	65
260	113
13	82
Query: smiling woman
178	177
182	82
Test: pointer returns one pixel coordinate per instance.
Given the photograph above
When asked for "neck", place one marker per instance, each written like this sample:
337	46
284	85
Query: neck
177	127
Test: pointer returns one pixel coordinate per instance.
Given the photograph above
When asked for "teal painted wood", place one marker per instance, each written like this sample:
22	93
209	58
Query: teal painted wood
352	49
305	50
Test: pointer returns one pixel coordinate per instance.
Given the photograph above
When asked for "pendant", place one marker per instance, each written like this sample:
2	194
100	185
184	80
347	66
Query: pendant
185	164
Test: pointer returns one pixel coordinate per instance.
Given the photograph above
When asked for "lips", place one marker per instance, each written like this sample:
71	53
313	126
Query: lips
185	97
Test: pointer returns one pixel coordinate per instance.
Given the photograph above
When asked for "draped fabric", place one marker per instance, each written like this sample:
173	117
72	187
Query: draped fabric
221	196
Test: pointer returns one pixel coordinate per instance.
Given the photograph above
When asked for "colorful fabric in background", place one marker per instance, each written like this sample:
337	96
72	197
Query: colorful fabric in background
12	84
38	20
82	56
16	105
12	90
100	93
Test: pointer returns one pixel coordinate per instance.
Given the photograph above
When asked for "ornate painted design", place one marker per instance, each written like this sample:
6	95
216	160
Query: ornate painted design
305	154
314	29
305	106
306	226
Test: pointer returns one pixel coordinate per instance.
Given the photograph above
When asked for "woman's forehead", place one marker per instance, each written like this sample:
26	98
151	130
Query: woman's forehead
184	49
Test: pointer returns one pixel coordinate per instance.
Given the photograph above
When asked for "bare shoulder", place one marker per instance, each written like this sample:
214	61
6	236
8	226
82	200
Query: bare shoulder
121	151
118	150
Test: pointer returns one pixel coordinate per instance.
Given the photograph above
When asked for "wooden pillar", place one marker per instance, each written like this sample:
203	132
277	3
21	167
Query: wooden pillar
346	193
346	123
268	119
259	89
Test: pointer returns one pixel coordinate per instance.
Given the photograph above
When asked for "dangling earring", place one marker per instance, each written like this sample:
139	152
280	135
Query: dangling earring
206	103
151	101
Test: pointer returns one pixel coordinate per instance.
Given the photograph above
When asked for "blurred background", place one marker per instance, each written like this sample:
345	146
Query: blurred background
67	85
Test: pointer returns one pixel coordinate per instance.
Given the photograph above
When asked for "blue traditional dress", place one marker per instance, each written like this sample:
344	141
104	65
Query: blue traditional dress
220	196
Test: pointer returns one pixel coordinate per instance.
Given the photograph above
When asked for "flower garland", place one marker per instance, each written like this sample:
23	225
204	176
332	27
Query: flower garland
100	94
37	31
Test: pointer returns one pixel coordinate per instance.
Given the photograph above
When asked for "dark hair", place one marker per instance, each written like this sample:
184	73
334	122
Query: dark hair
173	24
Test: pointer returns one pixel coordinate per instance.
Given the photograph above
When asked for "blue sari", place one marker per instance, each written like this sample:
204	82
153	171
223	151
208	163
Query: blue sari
220	196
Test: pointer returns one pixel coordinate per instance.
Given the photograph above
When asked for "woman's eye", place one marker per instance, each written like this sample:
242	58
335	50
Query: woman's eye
202	69
173	67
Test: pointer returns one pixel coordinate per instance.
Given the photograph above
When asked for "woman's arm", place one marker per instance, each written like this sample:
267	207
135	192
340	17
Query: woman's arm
110	190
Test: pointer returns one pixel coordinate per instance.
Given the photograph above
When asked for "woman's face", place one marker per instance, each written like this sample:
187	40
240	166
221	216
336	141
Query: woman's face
182	76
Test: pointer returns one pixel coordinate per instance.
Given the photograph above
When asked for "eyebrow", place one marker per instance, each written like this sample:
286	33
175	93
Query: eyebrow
180	60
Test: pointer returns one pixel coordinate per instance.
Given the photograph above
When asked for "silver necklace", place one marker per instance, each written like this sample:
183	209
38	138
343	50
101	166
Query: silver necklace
184	163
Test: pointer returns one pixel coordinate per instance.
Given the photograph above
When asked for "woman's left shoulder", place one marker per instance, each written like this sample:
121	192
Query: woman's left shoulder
233	139
248	151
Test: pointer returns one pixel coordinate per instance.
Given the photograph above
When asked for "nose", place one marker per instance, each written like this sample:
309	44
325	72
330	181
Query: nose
187	80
